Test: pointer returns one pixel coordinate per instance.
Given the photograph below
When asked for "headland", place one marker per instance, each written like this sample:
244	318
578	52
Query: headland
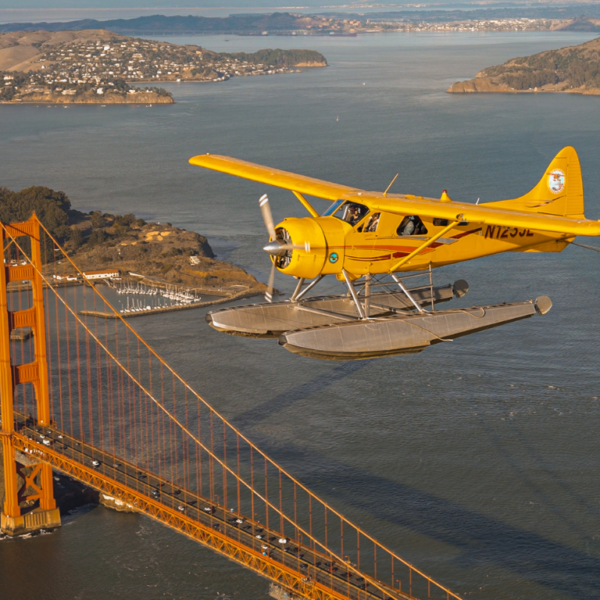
572	70
159	255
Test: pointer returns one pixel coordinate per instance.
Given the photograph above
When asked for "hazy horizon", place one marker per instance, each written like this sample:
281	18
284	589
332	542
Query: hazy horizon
25	11
195	5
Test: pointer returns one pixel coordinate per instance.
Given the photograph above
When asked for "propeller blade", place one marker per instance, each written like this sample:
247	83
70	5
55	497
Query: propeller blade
269	292
265	208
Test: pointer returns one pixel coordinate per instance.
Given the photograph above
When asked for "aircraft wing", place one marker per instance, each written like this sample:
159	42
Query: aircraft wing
480	214
399	204
282	179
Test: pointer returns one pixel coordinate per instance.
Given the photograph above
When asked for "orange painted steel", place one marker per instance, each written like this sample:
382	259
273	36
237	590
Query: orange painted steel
132	412
295	581
35	372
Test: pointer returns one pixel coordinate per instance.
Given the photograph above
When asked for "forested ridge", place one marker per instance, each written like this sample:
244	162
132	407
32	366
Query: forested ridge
572	67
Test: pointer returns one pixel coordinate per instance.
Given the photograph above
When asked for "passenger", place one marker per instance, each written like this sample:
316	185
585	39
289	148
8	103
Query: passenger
407	227
372	224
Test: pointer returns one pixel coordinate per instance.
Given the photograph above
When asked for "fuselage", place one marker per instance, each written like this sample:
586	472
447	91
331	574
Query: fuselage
360	241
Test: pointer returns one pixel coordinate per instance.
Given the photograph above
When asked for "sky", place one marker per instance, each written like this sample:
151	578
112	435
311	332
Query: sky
94	4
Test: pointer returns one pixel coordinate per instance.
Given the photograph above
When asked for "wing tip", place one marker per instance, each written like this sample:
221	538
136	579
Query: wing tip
197	160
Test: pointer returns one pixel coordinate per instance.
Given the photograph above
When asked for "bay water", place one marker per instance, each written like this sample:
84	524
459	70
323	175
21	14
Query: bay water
476	460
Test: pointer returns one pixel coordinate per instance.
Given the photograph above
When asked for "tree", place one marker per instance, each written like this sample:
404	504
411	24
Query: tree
98	237
52	208
97	219
76	238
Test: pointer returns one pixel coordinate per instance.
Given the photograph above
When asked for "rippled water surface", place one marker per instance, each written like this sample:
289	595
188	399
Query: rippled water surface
476	460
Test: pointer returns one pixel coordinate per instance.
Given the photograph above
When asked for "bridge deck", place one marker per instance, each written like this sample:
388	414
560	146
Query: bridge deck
301	569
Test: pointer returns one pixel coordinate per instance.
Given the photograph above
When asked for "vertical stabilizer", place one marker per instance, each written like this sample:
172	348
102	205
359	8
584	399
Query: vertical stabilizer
559	192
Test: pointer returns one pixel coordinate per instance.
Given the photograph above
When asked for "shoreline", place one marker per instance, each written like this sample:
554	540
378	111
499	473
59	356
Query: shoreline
61	101
593	92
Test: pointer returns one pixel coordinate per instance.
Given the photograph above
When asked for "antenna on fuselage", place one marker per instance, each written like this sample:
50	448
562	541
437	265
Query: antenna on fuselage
391	184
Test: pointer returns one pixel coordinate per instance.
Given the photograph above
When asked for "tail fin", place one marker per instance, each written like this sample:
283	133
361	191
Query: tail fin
559	192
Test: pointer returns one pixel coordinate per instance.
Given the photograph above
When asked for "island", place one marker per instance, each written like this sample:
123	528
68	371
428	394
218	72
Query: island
573	70
100	67
128	250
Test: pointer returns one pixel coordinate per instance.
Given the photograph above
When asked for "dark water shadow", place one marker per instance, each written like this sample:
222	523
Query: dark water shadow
547	498
290	397
480	539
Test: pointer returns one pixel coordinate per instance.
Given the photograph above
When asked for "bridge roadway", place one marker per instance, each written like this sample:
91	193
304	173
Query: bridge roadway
313	565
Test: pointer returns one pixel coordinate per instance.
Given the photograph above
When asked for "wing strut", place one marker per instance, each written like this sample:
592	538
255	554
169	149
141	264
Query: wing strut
306	204
424	245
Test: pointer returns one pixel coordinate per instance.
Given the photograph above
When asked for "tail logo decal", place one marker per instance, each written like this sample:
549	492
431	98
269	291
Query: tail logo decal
556	181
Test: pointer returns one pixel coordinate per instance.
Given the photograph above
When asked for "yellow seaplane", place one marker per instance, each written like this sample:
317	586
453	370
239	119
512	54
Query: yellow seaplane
368	240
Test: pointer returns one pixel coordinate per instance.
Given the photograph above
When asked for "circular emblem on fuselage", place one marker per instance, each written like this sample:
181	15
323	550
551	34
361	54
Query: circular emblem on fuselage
333	257
556	181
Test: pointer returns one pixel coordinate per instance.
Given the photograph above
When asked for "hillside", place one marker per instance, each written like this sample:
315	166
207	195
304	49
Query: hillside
98	66
574	69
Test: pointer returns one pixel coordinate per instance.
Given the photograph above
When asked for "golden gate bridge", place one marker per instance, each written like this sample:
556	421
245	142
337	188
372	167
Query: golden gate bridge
90	398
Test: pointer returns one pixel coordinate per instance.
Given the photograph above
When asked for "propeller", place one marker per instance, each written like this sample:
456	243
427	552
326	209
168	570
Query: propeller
275	247
267	216
269	292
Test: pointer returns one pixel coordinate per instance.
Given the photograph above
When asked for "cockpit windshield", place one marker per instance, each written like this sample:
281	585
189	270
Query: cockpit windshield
332	208
351	212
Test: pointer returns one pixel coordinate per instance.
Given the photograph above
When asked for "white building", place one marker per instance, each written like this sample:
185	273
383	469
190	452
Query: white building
106	274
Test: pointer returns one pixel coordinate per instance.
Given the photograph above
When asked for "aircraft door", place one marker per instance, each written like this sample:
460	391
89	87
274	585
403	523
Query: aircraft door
335	231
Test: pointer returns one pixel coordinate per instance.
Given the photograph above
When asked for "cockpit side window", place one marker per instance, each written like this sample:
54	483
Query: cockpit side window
411	225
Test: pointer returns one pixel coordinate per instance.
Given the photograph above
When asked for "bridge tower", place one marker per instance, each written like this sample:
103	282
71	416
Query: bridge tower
25	479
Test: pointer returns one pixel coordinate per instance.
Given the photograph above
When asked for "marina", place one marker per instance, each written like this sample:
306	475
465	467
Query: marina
143	298
136	299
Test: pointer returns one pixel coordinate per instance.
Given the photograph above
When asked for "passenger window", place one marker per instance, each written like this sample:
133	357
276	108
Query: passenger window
372	223
411	225
440	222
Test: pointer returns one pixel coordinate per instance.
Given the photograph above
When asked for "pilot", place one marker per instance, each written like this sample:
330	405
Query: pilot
353	215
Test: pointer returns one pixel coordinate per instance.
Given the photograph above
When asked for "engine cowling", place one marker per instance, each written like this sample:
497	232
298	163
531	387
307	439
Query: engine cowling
307	258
